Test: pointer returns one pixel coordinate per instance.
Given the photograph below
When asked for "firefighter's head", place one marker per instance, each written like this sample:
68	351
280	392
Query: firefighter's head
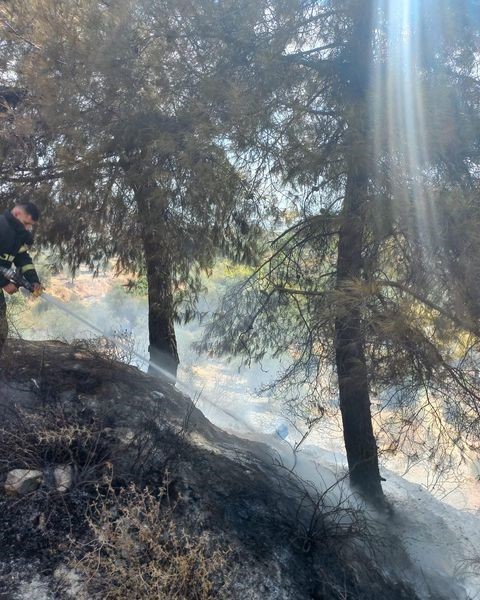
27	213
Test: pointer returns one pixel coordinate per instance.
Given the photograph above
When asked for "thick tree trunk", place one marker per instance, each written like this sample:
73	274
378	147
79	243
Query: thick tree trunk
161	330
349	340
350	356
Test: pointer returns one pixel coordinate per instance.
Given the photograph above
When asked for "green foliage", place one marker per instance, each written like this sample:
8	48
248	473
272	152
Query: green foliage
138	286
225	271
381	161
128	145
123	148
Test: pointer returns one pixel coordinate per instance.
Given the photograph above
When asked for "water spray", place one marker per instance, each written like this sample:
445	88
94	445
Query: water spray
20	281
60	305
174	381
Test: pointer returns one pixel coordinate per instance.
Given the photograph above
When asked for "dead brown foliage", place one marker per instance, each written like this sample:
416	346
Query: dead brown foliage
140	551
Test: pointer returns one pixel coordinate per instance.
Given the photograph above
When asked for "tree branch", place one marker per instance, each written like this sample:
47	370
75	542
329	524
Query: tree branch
313	50
7	25
468	326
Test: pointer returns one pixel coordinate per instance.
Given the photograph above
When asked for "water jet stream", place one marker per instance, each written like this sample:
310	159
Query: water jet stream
183	387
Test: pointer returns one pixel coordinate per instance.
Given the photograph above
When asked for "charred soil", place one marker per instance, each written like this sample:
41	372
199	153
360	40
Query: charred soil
160	503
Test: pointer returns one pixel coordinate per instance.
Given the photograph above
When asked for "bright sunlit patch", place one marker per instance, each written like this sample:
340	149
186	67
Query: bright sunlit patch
400	113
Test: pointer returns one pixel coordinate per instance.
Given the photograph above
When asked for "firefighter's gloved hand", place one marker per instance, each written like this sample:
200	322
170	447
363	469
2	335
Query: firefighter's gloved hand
10	288
37	289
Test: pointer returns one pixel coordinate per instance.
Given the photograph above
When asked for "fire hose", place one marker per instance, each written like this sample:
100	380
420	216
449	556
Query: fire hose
19	280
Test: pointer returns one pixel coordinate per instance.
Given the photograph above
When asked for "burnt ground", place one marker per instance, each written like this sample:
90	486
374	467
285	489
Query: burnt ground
63	404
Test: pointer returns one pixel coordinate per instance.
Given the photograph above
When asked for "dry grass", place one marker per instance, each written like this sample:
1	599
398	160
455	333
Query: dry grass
139	551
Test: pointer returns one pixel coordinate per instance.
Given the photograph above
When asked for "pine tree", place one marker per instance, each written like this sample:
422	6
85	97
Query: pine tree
125	151
366	113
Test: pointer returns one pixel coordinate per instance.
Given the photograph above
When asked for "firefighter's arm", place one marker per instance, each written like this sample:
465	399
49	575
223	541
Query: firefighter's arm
24	263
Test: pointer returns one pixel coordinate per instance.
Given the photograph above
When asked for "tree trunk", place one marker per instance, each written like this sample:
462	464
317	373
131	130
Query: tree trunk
161	330
349	340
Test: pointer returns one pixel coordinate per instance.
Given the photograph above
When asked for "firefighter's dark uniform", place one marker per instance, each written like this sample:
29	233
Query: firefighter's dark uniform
14	243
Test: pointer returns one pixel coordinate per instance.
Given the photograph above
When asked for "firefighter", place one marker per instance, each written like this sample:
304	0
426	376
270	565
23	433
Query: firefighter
15	238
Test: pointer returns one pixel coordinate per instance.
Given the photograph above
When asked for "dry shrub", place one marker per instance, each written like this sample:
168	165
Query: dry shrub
119	347
43	522
43	439
139	551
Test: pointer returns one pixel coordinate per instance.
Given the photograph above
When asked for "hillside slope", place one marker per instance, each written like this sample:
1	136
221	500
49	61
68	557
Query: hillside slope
157	495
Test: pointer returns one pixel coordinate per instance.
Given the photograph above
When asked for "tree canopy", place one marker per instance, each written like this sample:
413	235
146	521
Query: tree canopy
123	145
371	118
147	128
